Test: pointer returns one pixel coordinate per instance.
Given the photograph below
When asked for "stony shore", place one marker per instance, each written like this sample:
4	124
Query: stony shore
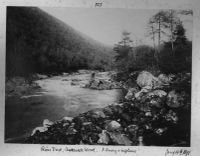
156	111
22	86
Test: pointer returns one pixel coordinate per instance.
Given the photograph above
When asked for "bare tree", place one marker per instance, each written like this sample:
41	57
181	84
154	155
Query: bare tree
152	31
156	27
164	23
171	22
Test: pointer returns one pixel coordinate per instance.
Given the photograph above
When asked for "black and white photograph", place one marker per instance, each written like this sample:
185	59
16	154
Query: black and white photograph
98	76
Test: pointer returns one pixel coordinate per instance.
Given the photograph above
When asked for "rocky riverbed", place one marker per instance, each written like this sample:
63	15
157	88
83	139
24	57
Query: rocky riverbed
156	112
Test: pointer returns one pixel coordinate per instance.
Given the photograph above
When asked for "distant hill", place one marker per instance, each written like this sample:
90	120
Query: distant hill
39	42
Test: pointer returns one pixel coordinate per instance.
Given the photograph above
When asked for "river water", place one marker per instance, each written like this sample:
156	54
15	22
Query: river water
55	99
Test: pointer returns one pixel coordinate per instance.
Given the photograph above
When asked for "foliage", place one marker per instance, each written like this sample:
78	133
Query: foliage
142	58
173	53
130	58
122	49
180	58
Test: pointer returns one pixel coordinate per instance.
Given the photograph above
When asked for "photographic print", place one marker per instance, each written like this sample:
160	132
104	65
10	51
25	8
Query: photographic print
98	76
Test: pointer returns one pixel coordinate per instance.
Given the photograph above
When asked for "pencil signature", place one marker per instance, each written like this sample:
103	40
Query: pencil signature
178	152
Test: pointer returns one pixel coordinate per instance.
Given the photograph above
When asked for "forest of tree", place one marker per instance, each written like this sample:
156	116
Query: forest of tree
171	51
36	42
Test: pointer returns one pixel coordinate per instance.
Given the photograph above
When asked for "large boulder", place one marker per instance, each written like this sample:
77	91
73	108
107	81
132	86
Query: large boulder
96	113
140	94
146	80
47	123
157	93
113	125
164	79
39	129
171	116
176	99
103	138
155	98
131	93
120	139
132	129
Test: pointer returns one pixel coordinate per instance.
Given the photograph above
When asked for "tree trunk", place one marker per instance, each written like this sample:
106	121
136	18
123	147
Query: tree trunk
171	29
159	36
154	45
153	37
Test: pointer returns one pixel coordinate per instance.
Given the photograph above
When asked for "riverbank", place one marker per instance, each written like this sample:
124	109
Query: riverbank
157	111
53	98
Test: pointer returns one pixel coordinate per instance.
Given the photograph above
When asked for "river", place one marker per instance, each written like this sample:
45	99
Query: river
55	99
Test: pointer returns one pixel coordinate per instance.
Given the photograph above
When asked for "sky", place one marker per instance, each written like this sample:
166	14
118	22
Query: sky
106	25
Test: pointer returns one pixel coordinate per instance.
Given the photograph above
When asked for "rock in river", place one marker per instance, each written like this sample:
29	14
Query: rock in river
40	76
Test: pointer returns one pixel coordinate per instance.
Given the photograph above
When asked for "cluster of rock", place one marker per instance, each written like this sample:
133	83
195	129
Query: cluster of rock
172	90
75	82
80	72
99	126
101	84
101	81
156	112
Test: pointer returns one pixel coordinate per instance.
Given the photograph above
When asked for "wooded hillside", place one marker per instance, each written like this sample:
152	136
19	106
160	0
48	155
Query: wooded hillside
38	42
